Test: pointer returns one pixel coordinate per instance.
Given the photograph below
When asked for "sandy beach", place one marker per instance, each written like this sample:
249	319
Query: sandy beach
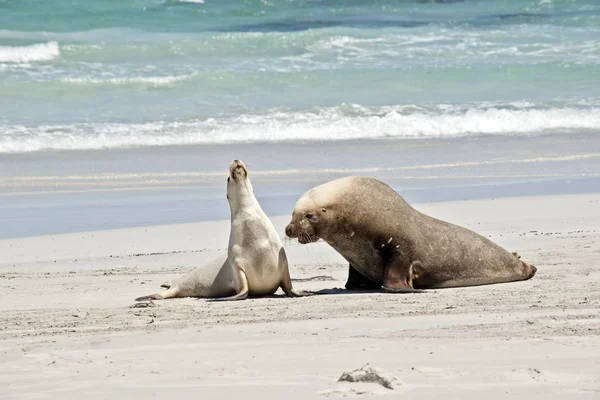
69	328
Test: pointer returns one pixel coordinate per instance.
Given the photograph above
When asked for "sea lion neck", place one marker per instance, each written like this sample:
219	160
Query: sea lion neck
243	198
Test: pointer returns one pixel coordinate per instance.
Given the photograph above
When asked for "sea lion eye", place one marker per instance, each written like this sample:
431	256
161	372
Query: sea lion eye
309	216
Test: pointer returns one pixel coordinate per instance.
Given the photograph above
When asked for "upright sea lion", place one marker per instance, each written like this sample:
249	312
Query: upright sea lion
255	265
388	243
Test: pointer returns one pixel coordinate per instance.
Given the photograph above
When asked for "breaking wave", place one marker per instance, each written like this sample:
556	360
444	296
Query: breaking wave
345	122
26	54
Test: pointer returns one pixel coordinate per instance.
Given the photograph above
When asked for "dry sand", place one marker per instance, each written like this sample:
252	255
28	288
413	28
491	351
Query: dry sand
67	329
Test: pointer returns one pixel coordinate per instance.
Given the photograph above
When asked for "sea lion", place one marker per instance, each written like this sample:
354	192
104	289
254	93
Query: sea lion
388	243
255	265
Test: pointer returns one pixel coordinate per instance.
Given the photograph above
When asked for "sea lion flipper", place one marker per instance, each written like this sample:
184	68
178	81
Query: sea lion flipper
242	294
167	294
357	281
398	276
286	286
300	293
286	281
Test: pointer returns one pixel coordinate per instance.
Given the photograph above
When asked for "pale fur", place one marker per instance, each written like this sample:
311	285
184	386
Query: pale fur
256	263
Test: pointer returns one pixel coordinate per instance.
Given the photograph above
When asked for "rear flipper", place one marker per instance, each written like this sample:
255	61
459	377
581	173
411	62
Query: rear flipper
398	277
528	269
167	294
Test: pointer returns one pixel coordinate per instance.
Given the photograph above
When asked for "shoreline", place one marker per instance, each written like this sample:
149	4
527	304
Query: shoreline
219	228
55	193
137	213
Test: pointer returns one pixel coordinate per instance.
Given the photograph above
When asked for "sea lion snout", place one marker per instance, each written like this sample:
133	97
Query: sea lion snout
305	222
290	230
304	232
238	169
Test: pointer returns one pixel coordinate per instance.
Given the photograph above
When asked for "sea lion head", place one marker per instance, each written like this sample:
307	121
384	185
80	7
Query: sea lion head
310	222
238	183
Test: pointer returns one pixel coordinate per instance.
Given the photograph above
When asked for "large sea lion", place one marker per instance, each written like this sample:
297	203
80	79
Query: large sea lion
255	265
388	243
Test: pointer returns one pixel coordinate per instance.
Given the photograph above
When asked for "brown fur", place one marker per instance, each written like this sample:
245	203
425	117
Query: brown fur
389	243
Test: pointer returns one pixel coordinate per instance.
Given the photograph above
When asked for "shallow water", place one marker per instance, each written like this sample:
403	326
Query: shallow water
112	74
127	113
58	192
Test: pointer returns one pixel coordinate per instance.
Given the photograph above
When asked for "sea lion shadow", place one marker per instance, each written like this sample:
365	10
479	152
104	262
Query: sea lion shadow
310	293
306	293
334	291
267	296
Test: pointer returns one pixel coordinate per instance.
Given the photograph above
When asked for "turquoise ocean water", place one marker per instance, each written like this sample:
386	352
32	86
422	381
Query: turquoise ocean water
120	113
117	73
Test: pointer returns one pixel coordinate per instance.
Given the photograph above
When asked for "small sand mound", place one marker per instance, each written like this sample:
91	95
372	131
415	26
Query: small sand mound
371	375
365	380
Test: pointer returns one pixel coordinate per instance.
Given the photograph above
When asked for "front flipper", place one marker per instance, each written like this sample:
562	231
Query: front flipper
398	276
357	281
286	286
299	293
286	282
243	289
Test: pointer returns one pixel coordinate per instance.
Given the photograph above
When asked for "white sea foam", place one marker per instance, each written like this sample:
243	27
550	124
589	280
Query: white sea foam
345	122
149	80
457	46
26	54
